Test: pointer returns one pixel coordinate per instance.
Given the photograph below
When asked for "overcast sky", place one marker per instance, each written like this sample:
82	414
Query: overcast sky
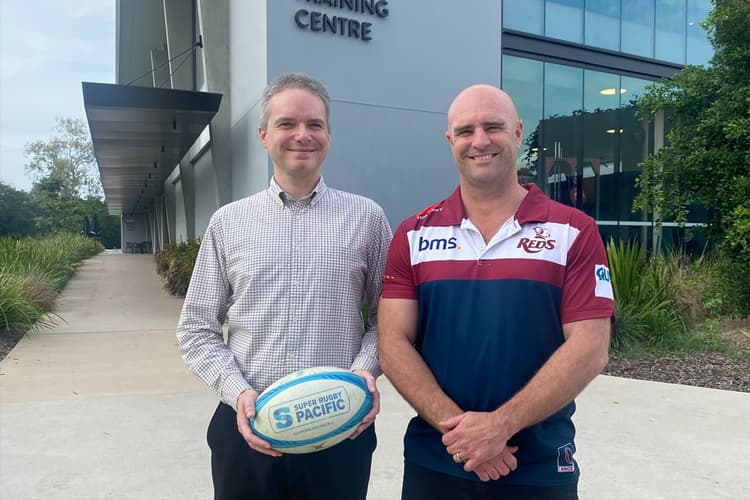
47	48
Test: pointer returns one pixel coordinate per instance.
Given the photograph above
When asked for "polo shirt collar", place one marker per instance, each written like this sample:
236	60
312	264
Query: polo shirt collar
534	207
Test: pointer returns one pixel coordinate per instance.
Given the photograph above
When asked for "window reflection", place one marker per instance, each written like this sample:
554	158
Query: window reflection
699	50
526	16
564	20
583	140
561	132
522	80
669	40
638	28
666	30
602	22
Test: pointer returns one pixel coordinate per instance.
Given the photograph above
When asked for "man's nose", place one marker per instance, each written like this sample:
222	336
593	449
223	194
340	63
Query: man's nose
480	139
302	133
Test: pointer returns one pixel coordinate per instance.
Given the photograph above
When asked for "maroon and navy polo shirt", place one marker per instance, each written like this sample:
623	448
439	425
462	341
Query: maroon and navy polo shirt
490	315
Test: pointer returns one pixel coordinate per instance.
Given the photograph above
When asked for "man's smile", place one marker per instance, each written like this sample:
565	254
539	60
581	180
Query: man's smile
483	157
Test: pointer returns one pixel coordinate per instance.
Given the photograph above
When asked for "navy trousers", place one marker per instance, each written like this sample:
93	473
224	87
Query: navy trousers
239	472
425	484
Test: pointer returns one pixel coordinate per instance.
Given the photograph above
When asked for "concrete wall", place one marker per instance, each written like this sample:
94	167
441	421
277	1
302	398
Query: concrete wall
390	94
180	226
205	192
249	76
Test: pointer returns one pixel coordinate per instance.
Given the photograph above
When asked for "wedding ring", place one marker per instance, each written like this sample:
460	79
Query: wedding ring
457	457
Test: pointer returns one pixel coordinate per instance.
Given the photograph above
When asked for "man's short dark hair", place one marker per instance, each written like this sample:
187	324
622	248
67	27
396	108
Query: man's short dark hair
293	81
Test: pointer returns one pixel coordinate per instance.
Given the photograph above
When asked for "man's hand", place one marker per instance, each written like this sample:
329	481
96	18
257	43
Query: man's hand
245	411
502	465
368	420
481	443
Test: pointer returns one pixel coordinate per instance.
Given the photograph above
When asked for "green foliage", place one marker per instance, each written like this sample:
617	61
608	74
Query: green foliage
17	212
56	212
706	159
670	302
175	265
32	273
66	189
644	309
66	159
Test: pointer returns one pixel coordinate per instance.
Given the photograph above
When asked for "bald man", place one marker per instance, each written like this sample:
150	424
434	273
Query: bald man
495	313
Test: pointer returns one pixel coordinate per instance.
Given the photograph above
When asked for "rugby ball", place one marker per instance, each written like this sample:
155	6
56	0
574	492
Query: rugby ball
311	410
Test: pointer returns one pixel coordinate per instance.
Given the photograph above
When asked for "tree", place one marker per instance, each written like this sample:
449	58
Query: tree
707	157
68	157
66	190
55	212
17	212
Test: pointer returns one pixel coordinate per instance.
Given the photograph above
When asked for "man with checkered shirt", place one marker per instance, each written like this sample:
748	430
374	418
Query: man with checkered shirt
287	270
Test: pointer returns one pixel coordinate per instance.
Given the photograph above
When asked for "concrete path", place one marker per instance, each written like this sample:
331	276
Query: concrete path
101	407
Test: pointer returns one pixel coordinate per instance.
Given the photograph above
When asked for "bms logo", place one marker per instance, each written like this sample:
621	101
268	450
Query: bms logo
540	241
438	244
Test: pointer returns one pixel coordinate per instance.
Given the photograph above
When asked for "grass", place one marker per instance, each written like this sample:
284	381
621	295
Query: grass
670	304
33	271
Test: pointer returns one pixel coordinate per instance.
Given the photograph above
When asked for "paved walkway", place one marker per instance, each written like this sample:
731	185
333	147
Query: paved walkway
102	407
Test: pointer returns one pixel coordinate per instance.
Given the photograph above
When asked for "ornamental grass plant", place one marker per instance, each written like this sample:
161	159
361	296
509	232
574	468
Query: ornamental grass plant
668	303
175	265
33	271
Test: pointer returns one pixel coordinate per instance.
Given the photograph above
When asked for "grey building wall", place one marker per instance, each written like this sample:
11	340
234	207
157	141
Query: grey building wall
206	202
180	227
389	95
249	53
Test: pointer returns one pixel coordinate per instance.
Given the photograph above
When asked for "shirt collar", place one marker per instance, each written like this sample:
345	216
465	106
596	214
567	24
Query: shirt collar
533	208
280	197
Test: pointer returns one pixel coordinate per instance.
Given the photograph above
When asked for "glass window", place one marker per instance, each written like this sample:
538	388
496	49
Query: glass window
526	16
631	90
561	131
601	134
635	146
638	28
669	39
522	80
699	49
564	19
602	24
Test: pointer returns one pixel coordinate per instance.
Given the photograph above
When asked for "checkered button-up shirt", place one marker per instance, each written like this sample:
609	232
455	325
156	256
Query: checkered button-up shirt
289	277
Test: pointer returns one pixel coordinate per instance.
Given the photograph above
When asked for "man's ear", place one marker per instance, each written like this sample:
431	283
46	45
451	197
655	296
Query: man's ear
449	137
262	135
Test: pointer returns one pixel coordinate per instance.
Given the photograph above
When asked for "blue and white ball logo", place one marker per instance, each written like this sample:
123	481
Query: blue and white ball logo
312	409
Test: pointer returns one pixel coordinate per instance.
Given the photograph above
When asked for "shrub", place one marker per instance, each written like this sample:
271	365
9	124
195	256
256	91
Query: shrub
175	265
645	310
737	246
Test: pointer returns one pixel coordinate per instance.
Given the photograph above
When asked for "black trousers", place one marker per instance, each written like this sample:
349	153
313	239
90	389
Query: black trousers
425	484
239	472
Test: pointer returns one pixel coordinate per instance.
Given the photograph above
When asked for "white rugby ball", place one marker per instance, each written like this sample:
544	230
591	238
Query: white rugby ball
311	410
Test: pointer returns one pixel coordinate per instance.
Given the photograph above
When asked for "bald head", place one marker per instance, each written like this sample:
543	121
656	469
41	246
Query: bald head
484	134
479	97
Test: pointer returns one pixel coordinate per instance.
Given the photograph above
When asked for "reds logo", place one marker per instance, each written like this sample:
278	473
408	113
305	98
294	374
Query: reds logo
540	241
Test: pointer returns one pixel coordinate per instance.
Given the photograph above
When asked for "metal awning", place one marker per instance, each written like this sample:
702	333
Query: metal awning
139	136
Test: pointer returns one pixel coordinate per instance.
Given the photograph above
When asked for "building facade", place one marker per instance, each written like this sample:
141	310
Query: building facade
392	67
